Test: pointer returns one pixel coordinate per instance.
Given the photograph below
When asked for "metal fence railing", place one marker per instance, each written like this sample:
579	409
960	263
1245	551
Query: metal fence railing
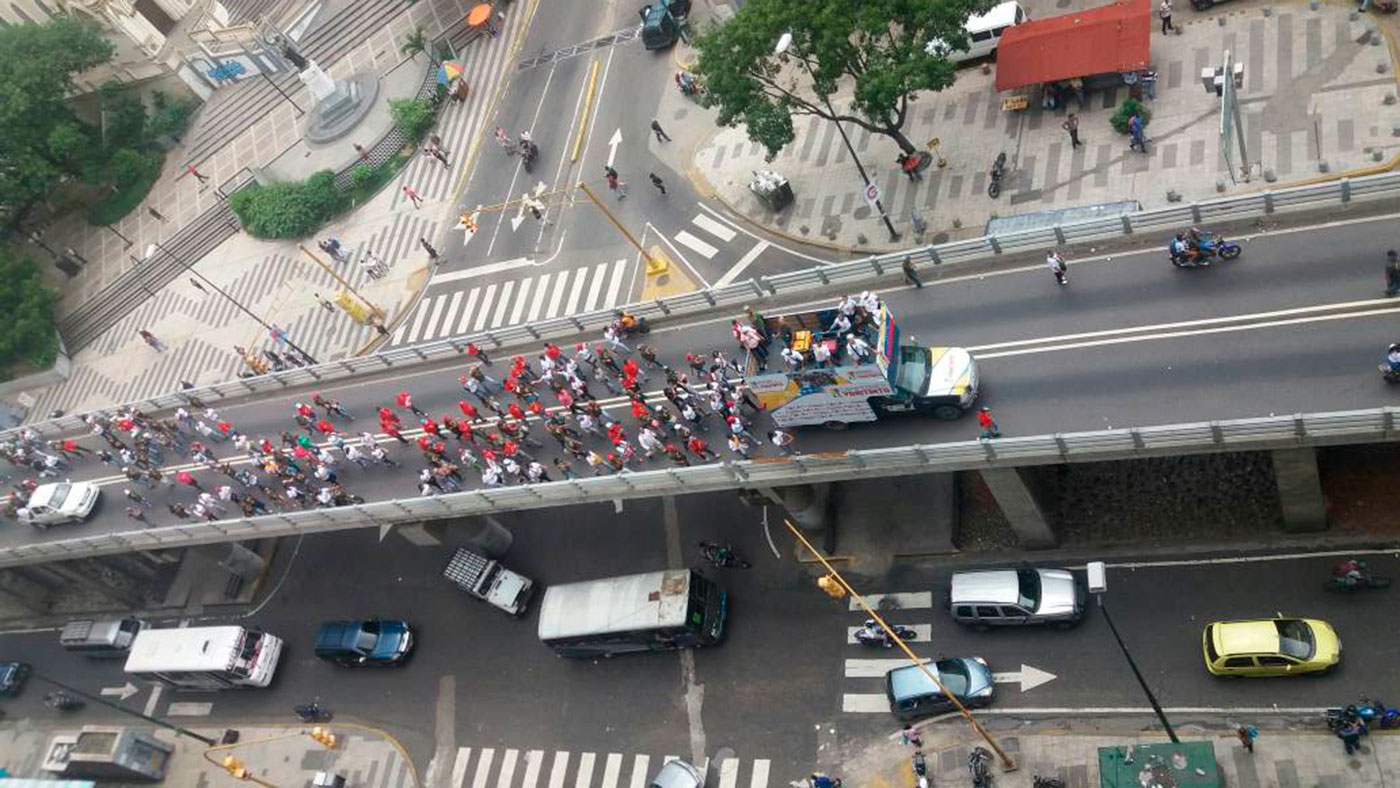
1256	434
795	283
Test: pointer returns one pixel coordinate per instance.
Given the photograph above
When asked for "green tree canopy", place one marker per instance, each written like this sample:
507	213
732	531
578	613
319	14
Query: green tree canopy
27	305
39	137
874	49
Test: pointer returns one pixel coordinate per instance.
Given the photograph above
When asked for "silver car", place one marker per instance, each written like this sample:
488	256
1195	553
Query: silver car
1016	597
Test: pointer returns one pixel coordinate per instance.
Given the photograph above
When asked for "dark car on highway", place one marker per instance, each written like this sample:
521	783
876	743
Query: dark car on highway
363	643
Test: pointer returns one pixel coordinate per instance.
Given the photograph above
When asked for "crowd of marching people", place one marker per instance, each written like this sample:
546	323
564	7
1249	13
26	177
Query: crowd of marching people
501	429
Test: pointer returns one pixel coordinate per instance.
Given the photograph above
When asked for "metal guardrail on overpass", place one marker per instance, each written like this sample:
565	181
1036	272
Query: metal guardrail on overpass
1257	434
809	281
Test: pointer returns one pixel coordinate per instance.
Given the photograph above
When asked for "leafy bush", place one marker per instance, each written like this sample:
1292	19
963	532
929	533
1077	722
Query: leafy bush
288	210
125	116
1126	110
29	336
132	174
363	178
170	117
414	117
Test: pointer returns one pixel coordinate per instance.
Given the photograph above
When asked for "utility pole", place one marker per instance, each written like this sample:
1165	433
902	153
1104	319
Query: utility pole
343	283
615	223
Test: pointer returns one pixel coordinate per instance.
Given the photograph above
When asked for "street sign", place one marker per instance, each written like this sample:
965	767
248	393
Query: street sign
872	194
1227	115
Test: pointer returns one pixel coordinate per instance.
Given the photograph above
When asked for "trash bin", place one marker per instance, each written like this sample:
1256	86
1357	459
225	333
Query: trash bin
67	265
772	188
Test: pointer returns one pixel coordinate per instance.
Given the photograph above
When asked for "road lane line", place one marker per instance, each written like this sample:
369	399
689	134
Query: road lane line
507	769
585	770
923	633
905	601
611	770
469	311
533	760
864	703
459	767
759	778
819	261
714	228
556	773
639	771
541	290
151	702
482	270
500	316
600	272
743	264
874	668
485	311
483	767
695	244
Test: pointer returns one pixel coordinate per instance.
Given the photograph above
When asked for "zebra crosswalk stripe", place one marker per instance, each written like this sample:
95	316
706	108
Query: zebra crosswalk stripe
728	772
595	289
584	777
759	778
485	310
615	286
538	303
533	760
507	769
469	311
639	771
451	317
483	767
556	298
459	767
520	302
500	315
696	245
611	769
614	772
561	765
714	228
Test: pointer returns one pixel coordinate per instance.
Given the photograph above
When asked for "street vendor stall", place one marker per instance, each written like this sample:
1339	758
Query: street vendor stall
1072	48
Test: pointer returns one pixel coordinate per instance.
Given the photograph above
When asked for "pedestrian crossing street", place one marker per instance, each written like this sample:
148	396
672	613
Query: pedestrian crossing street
867	673
708	234
490	768
465	309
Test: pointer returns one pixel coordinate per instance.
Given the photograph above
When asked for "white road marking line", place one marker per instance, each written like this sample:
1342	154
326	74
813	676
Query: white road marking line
459	767
482	270
714	228
906	601
743	264
418	322
556	298
923	633
399	332
600	272
499	317
533	760
728	772
507	769
469	311
483	767
577	290
874	668
189	709
585	770
520	302
639	771
438	304
611	770
156	691
1196	332
556	773
865	703
485	311
615	286
759	778
541	290
695	244
819	261
450	319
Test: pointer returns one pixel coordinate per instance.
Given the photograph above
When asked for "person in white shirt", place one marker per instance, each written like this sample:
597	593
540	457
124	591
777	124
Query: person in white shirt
858	348
821	354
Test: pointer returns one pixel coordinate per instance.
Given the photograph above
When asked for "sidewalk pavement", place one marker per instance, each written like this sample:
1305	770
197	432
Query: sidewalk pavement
1283	757
277	755
1313	93
279	283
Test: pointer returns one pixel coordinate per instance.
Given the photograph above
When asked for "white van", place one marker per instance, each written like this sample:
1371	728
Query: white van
983	33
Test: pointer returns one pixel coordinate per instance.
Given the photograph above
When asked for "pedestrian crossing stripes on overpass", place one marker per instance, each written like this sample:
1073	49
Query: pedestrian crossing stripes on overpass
489	768
713	228
515	301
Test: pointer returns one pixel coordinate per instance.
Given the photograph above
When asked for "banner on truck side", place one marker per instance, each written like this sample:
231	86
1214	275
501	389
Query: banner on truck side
817	396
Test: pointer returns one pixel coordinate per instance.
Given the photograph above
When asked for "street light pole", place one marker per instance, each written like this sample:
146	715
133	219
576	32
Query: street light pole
189	268
1098	584
783	44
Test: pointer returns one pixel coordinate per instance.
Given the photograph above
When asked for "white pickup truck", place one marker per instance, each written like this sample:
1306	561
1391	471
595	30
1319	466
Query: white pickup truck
485	579
59	503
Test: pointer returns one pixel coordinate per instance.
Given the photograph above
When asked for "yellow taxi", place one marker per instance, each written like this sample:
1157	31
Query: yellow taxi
1270	647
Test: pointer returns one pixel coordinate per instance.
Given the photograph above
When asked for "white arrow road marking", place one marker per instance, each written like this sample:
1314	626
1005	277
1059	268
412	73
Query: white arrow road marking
1028	677
923	633
613	142
908	601
519	213
875	668
123	692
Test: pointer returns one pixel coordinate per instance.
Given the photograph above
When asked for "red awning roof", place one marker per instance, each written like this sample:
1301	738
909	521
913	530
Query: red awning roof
1102	40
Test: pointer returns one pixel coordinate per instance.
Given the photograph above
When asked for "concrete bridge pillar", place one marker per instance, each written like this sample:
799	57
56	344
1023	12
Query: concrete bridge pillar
1299	489
1018	503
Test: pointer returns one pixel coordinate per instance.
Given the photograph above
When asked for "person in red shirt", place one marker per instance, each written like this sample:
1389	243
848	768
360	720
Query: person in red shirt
640	412
536	409
431	427
469	410
615	432
325	427
392	430
305	410
473	350
552	351
405	401
225	429
988	424
700	448
425	443
566	400
387	416
515	411
464	432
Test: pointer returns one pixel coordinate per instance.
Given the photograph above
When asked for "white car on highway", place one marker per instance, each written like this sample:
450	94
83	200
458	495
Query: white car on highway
59	503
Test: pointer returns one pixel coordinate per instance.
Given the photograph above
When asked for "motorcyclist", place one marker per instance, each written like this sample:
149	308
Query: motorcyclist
1350	572
1392	357
872	631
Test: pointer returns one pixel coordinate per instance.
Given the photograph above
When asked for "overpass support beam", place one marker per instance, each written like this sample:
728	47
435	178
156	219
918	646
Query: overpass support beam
1017	501
1299	489
98	579
23	591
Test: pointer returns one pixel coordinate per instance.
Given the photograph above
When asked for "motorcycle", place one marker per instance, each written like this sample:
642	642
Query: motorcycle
869	635
62	701
1209	246
912	164
998	172
979	766
821	780
1388	371
920	766
627	324
723	556
529	151
1373	712
1350	715
689	85
312	712
1047	782
1353	575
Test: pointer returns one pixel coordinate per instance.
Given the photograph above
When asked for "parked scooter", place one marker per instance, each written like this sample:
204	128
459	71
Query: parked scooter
1374	712
62	701
979	763
997	173
920	767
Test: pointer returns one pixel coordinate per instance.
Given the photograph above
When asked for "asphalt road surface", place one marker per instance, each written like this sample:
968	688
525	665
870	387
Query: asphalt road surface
783	686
